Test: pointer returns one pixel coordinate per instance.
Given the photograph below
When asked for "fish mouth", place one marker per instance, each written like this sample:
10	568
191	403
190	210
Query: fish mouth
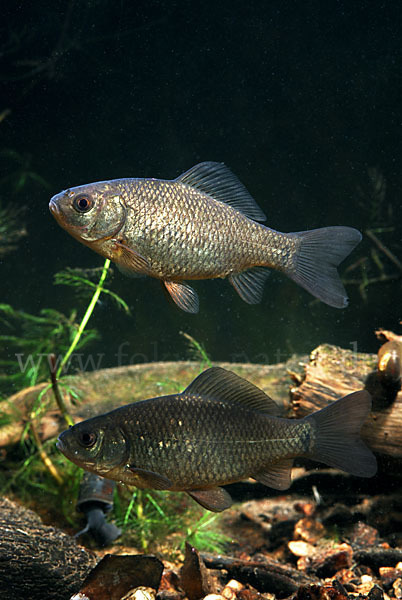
60	445
57	213
53	207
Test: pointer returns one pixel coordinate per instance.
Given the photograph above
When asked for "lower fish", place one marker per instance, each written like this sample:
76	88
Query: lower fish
219	430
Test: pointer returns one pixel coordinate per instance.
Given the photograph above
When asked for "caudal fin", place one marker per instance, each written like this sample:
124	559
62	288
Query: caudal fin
320	252
337	442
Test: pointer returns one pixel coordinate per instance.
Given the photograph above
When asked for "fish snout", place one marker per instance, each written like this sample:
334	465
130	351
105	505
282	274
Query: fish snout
54	207
59	445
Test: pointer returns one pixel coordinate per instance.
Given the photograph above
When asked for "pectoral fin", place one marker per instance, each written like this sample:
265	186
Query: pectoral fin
183	295
129	260
149	479
215	499
128	273
278	476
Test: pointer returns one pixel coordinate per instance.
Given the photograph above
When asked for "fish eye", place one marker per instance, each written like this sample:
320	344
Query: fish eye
82	203
87	439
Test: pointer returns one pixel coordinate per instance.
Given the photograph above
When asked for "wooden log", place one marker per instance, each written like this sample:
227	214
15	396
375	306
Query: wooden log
333	372
36	561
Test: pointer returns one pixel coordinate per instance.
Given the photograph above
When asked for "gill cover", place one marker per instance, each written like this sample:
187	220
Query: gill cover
90	212
94	445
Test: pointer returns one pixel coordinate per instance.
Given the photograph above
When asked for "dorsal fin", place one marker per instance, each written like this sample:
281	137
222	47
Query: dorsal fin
226	386
216	180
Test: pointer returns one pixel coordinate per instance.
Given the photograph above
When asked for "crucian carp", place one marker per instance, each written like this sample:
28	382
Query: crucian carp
219	430
202	225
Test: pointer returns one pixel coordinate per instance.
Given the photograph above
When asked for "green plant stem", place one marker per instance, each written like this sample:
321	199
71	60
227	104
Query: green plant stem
57	393
45	457
85	318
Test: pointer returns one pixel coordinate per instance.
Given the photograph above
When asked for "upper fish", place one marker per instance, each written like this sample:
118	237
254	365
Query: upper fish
202	225
221	429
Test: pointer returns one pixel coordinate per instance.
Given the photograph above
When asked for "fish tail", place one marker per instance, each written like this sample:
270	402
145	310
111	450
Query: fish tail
319	253
337	440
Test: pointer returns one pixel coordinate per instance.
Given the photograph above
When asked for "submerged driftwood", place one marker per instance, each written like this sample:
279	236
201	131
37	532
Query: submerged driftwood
37	561
300	386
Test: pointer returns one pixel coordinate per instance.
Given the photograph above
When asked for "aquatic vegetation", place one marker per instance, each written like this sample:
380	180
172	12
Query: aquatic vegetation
21	172
29	339
41	337
383	264
83	280
205	534
197	350
23	474
11	228
150	519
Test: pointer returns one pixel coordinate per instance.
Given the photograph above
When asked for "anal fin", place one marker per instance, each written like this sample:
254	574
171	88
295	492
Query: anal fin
250	284
215	499
183	295
278	475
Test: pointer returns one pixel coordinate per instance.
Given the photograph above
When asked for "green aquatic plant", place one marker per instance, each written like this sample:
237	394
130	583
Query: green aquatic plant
85	282
20	171
197	351
87	315
42	337
155	517
381	265
23	474
206	535
11	228
30	339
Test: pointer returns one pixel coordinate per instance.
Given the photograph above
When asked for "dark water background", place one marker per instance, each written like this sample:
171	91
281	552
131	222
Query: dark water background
299	99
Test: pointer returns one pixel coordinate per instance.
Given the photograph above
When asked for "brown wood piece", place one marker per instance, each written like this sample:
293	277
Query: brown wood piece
266	576
36	561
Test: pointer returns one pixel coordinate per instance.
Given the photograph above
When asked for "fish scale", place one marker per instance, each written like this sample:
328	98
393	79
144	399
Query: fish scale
221	429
